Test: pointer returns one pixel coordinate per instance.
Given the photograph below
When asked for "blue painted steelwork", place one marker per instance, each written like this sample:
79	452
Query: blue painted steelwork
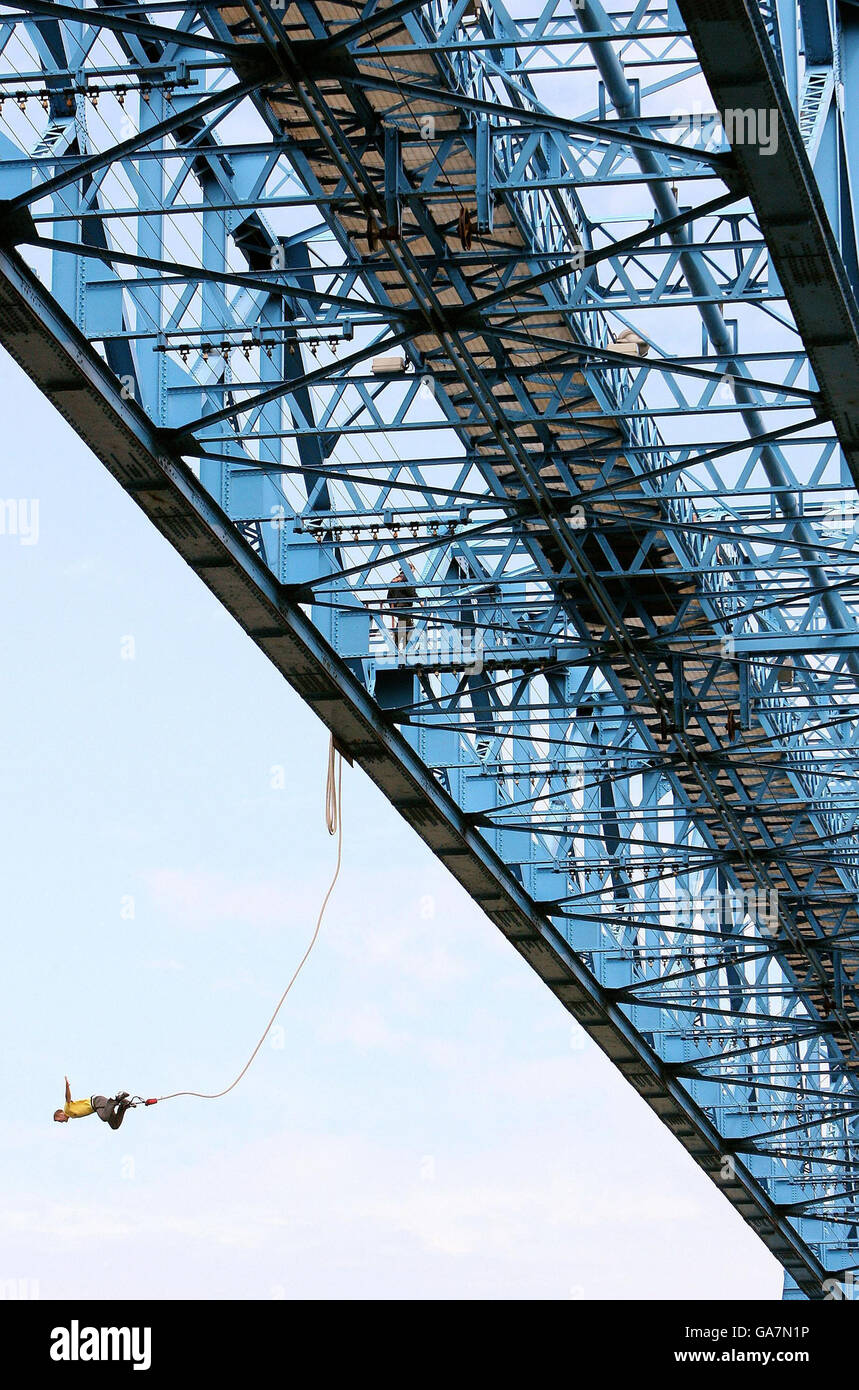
472	333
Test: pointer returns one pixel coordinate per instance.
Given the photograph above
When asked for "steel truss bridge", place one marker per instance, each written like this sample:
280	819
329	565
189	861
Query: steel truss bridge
500	374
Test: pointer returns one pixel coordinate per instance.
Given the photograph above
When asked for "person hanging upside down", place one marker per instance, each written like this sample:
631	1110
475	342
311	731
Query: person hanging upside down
111	1110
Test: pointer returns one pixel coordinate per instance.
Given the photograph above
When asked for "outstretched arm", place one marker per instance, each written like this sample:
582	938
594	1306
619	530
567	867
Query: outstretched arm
68	1092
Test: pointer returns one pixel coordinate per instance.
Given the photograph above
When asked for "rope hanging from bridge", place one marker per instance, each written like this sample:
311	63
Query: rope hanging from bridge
334	824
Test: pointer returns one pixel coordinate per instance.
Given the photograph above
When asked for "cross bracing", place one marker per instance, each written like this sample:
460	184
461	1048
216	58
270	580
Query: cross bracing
465	349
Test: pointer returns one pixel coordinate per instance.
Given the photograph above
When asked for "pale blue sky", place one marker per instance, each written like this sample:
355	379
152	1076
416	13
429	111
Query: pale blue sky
432	1125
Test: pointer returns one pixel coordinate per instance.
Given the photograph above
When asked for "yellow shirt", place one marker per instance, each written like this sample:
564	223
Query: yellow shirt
75	1109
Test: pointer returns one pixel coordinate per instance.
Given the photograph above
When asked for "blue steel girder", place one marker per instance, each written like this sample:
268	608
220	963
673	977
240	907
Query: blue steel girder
513	410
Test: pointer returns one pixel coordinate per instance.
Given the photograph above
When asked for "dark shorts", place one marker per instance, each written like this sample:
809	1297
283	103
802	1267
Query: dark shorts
103	1106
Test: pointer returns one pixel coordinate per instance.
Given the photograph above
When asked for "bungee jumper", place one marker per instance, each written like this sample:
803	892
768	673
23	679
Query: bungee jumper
111	1109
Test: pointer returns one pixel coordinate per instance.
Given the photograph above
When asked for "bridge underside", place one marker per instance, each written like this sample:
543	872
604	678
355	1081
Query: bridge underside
516	422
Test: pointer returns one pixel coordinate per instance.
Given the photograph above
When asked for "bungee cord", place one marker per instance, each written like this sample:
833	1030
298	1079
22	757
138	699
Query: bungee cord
334	824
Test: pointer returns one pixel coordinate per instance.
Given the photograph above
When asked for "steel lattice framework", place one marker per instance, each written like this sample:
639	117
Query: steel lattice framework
513	409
